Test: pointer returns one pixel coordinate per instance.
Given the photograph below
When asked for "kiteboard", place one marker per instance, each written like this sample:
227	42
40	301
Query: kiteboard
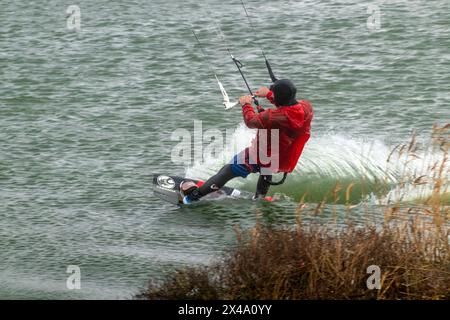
167	188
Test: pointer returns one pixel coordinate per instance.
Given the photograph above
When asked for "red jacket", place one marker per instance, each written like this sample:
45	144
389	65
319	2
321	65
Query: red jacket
294	124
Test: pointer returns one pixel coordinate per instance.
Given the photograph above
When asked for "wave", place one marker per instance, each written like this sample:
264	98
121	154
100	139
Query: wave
338	168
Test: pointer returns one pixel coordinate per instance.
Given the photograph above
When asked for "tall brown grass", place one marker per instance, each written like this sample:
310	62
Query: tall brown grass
313	261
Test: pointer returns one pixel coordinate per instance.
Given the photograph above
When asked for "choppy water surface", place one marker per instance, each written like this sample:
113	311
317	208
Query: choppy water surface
86	118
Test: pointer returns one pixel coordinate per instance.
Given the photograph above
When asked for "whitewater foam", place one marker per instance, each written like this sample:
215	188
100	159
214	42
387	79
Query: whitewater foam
338	157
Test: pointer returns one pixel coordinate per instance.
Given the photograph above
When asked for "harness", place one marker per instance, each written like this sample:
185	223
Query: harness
269	181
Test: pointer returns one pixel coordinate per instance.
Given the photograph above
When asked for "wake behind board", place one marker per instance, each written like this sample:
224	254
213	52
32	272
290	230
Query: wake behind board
167	188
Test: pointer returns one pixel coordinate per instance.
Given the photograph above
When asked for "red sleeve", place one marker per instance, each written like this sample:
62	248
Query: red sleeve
269	119
251	118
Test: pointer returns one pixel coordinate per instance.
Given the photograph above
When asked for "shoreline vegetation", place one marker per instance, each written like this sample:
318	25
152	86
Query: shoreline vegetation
311	260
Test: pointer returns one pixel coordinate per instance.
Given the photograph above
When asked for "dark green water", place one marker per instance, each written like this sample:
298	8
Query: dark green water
86	118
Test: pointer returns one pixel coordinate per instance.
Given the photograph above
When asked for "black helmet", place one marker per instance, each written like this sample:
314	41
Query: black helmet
284	93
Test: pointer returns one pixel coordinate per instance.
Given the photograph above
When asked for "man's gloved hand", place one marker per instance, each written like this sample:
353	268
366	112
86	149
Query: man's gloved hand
245	100
262	92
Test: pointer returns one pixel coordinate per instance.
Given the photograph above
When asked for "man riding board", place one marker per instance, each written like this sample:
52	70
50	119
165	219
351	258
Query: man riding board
291	118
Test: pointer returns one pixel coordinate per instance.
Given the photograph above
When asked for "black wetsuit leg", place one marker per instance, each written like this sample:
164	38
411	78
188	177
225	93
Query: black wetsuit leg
263	186
217	181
